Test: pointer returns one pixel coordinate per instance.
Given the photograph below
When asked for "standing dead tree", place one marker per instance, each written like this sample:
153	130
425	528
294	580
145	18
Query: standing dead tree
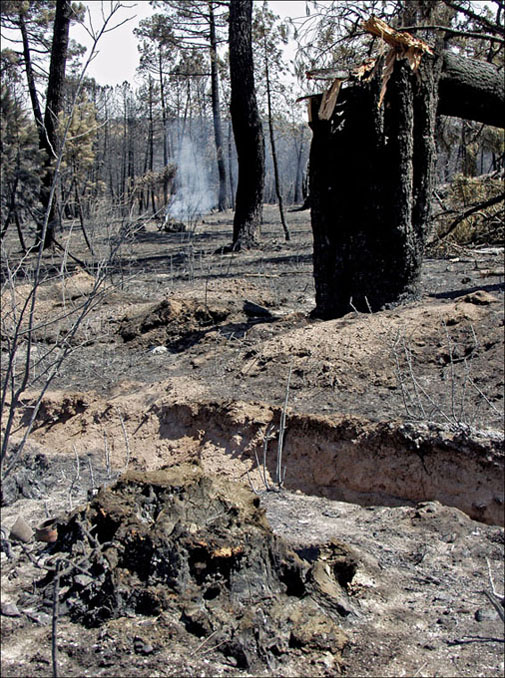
372	165
247	129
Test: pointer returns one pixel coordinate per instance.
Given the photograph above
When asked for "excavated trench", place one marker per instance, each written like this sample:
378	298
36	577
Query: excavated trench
342	458
349	459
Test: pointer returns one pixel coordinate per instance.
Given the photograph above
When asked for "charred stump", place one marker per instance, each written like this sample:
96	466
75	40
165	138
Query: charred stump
371	178
372	170
198	550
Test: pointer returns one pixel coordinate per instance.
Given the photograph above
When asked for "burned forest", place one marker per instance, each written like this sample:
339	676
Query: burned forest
252	313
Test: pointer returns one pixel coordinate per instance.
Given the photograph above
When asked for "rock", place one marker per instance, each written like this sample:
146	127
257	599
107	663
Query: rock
485	614
21	531
141	647
10	609
158	350
253	310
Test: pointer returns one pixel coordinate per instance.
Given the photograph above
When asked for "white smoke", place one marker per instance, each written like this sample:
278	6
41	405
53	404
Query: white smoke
193	196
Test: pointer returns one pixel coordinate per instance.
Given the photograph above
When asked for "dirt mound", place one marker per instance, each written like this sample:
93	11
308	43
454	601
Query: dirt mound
73	308
175	323
199	548
59	290
359	351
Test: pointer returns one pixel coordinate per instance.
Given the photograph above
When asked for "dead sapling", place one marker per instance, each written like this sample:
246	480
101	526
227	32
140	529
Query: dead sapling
496	599
107	455
75	479
127	443
280	470
262	467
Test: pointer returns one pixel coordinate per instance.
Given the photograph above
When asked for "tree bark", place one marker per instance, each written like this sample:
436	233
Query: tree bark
472	90
54	104
247	129
371	178
216	111
372	173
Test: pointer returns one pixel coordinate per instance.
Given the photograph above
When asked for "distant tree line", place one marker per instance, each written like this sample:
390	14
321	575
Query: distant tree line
122	142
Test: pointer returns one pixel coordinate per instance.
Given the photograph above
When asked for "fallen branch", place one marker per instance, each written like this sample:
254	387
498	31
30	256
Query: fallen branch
496	603
472	210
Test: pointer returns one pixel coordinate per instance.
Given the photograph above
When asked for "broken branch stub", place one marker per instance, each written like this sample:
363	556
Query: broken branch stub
329	100
327	74
403	46
398	40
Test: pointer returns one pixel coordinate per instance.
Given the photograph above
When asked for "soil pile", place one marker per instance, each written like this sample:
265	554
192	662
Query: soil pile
176	323
199	548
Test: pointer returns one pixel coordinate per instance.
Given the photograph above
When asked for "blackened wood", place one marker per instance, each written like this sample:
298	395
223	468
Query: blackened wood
216	110
54	104
371	179
247	129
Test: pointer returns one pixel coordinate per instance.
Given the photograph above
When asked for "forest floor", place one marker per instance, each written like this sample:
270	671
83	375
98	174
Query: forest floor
392	448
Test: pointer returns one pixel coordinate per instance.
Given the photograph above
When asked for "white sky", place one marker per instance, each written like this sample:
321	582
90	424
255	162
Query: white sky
118	56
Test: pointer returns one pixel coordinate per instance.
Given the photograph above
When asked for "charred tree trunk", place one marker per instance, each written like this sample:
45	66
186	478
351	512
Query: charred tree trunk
230	166
247	129
54	104
372	174
216	111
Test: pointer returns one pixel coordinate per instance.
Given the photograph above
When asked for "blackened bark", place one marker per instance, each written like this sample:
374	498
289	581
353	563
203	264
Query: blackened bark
472	90
54	104
371	178
247	129
216	110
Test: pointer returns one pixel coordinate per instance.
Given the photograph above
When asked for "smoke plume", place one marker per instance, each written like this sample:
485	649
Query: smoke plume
193	196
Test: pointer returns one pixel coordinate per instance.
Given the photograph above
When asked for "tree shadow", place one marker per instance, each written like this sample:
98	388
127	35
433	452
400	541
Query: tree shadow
454	294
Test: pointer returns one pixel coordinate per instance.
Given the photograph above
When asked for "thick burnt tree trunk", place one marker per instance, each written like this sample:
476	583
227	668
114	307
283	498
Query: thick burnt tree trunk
54	104
372	174
247	129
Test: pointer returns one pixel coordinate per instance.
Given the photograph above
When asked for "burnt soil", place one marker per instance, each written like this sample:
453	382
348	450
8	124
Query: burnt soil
376	557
